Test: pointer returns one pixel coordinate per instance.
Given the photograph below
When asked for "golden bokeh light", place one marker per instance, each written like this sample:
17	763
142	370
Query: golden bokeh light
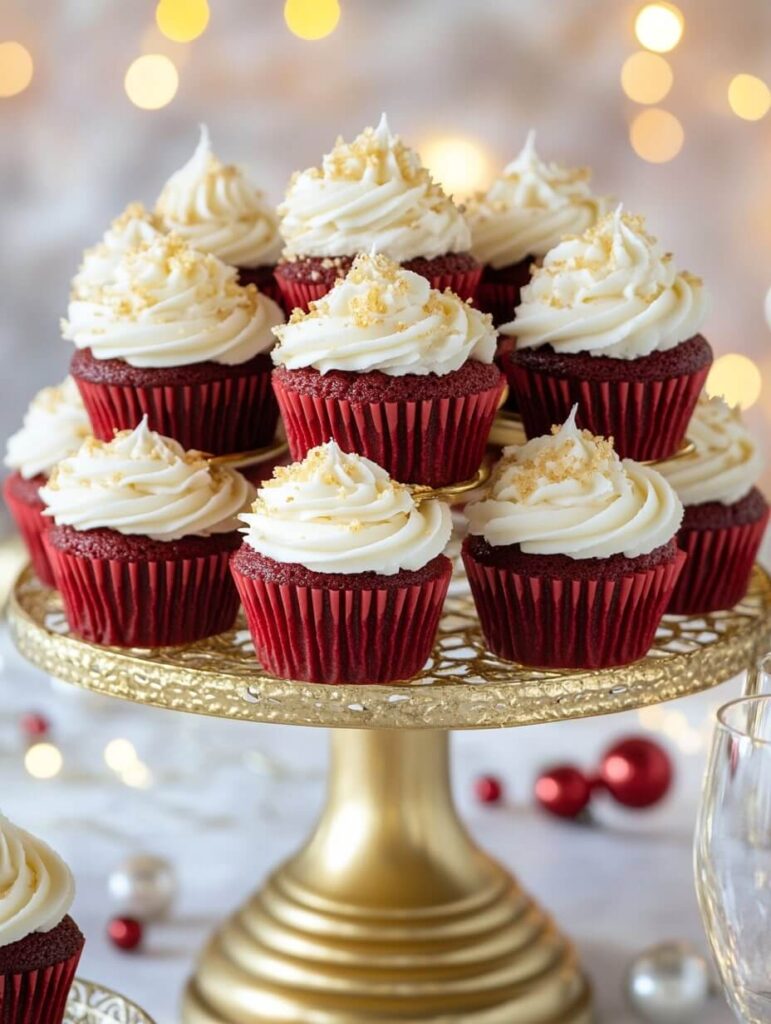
646	77
656	135
312	19
16	68
182	21
659	27
43	761
120	754
459	164
749	97
736	378
152	81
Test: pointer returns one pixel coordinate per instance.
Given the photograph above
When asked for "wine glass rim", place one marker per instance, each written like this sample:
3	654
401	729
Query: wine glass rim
724	711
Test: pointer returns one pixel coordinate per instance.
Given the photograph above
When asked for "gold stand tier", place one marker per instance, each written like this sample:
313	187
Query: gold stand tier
390	912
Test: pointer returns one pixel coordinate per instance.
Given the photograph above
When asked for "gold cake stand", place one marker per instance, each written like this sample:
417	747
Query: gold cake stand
94	1004
390	912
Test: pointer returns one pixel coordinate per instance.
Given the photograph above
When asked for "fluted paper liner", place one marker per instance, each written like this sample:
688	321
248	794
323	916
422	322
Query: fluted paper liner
219	416
570	623
299	294
149	603
498	299
435	441
32	525
37	997
647	419
342	636
718	568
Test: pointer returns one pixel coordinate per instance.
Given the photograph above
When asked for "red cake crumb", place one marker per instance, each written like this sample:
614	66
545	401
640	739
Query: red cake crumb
253	565
85	366
26	491
41	949
511	556
327	269
713	515
106	543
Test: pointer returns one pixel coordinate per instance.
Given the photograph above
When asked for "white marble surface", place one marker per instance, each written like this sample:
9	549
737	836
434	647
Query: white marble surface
230	799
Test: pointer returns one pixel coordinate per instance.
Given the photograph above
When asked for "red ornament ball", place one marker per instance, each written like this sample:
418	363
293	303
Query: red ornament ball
563	791
488	789
637	772
34	725
125	932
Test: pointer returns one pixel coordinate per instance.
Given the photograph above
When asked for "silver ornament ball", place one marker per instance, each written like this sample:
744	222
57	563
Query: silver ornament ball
669	984
143	886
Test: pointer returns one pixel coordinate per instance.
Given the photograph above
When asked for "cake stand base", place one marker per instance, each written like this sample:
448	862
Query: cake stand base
390	913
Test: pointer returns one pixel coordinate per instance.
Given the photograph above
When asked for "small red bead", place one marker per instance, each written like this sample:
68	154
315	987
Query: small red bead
563	791
488	789
637	772
34	724
125	932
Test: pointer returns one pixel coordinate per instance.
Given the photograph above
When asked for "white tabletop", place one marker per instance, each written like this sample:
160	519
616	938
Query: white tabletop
228	800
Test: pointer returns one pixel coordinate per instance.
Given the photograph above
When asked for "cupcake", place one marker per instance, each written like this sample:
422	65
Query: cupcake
572	555
391	369
725	514
609	323
371	194
525	213
135	226
175	337
40	944
142	536
55	426
216	209
338	561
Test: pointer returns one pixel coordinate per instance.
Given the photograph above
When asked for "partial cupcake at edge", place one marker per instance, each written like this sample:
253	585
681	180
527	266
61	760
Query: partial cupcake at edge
371	194
392	369
40	944
609	323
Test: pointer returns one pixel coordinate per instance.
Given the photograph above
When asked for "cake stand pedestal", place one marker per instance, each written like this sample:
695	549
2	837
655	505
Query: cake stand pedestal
390	912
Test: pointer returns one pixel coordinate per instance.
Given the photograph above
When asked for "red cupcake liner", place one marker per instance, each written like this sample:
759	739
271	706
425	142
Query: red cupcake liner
342	636
498	299
37	997
432	441
718	568
647	419
563	623
32	526
299	294
120	603
220	416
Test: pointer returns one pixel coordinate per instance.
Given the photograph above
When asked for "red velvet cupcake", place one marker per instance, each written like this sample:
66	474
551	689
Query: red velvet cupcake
525	213
725	514
608	323
143	535
393	370
173	336
337	560
216	209
54	427
571	557
371	195
40	945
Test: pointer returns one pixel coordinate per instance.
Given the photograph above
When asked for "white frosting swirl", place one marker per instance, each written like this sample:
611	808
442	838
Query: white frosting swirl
726	464
339	513
135	226
610	292
36	886
530	208
54	426
215	208
568	493
170	305
143	483
372	192
380	317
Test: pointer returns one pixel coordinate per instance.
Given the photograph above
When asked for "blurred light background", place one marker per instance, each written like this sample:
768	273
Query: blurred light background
100	101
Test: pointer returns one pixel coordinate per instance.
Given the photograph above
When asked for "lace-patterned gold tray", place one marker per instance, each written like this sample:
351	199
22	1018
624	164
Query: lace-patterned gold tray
94	1004
462	687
